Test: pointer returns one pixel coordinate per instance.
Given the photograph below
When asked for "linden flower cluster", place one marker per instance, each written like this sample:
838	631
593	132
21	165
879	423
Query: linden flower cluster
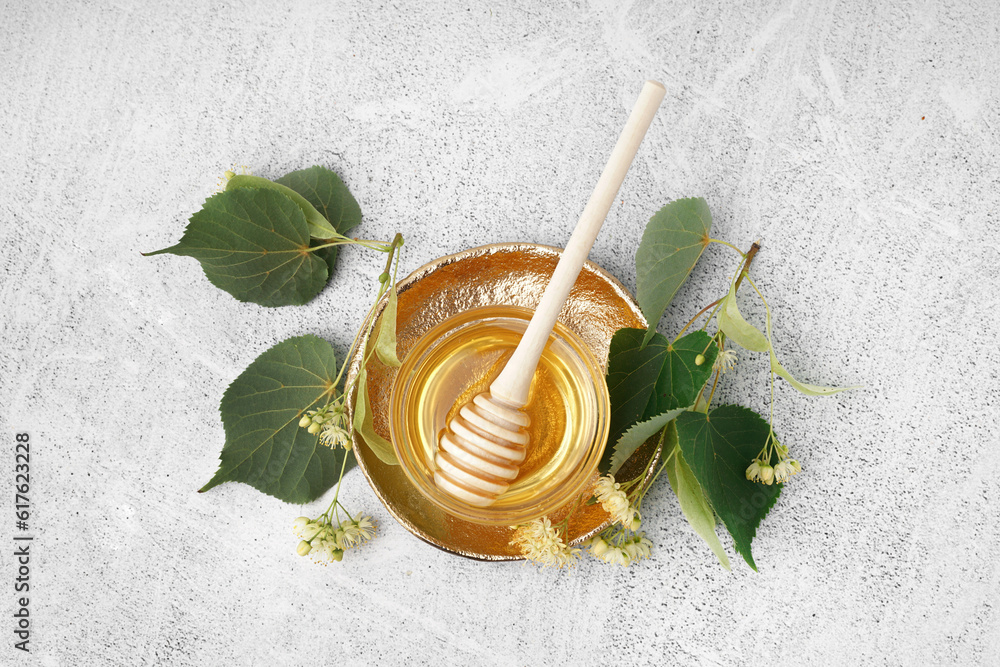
326	543
609	493
545	544
621	544
621	552
761	470
330	422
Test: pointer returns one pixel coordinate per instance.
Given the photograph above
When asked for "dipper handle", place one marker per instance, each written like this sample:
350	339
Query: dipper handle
514	382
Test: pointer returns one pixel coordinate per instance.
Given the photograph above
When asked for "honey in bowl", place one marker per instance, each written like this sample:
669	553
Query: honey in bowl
568	408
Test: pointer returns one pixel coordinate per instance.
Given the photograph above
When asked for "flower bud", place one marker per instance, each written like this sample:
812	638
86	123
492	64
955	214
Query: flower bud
337	555
300	524
314	428
699	360
767	474
636	522
384	277
599	547
304	548
305	421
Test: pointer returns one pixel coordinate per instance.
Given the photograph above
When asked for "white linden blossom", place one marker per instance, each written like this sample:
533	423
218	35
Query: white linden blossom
725	361
614	501
313	529
358	531
785	469
639	547
539	542
326	551
767	474
334	436
753	472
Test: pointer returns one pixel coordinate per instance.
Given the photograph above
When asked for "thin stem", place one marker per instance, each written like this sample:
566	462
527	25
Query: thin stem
712	393
343	507
657	475
382	290
343	241
563	526
336	494
371	244
727	243
695	319
397	241
747	259
718	304
357	337
649	464
751	253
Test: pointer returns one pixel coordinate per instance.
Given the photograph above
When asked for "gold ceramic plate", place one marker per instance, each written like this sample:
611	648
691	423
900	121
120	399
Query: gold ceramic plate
501	274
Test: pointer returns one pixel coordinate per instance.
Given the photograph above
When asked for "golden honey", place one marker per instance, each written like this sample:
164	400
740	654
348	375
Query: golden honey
567	406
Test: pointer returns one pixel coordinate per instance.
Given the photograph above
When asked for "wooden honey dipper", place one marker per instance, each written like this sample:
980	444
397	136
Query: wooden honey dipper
481	451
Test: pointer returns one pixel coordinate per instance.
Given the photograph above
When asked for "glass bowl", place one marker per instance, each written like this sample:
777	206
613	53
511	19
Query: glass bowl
498	274
568	408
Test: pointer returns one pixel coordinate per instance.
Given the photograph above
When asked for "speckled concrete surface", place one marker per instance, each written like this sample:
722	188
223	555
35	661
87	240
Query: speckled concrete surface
858	140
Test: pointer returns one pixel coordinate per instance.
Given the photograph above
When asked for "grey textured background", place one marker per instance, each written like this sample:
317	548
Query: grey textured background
858	140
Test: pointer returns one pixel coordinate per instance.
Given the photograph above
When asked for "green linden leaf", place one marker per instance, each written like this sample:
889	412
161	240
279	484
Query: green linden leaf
324	190
265	447
632	374
254	244
319	226
718	447
639	433
697	511
645	383
365	427
385	343
736	328
673	241
681	379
